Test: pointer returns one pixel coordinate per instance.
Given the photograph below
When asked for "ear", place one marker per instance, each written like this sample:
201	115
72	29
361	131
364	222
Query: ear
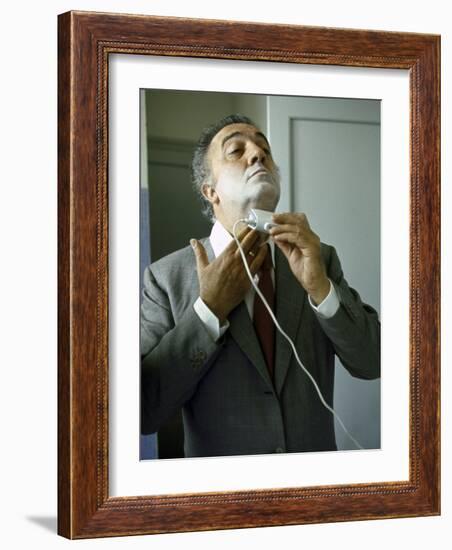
210	194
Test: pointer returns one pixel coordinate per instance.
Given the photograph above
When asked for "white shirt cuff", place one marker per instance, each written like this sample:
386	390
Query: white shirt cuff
329	306
210	320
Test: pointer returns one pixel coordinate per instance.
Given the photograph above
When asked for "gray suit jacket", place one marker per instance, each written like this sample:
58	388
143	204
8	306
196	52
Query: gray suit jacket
229	404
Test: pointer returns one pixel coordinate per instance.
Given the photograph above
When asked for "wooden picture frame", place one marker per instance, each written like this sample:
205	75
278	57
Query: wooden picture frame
85	42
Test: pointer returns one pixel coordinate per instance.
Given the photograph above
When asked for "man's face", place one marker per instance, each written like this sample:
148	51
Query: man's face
243	172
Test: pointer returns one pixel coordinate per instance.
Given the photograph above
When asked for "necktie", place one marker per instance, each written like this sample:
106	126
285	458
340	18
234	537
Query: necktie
263	323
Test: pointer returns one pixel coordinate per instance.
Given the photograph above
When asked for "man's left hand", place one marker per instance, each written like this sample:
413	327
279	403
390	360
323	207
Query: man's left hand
301	247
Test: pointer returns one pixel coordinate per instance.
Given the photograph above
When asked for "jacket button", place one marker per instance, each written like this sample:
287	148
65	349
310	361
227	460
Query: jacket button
279	450
198	357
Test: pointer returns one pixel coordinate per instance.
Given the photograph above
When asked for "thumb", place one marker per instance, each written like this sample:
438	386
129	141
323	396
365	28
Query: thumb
200	254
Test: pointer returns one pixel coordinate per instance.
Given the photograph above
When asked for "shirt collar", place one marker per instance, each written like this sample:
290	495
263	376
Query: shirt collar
220	238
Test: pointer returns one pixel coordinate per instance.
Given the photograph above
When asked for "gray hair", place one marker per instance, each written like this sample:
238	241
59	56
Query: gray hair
200	167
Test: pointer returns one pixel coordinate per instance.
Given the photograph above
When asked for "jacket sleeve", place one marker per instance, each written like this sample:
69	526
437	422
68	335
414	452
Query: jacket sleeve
174	356
354	329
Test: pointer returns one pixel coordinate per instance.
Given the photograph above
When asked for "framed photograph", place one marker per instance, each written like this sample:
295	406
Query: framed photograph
344	124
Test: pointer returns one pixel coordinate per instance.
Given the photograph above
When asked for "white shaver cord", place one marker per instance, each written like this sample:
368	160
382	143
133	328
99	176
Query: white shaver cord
245	263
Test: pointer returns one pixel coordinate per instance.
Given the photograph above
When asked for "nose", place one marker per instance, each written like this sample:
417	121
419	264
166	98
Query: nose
256	154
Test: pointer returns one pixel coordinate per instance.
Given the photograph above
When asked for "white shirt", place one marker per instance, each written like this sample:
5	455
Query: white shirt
219	239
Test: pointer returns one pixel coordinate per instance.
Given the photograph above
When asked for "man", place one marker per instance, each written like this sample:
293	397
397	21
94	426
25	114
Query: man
204	350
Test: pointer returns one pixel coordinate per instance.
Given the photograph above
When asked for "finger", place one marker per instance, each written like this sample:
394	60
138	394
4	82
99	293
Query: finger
291	218
232	246
258	260
200	254
293	238
243	232
284	228
248	242
285	248
284	217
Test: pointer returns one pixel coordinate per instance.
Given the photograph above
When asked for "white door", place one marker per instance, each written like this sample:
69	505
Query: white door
328	151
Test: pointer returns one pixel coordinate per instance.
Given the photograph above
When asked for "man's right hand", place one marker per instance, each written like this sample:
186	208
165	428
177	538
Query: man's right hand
224	282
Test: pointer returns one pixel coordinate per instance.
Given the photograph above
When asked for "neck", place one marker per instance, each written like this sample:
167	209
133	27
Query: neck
228	221
229	228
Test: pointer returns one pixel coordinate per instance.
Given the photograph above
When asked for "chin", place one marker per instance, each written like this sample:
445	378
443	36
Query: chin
265	200
269	206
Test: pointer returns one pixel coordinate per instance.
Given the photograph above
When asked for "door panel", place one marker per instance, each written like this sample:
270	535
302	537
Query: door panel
328	151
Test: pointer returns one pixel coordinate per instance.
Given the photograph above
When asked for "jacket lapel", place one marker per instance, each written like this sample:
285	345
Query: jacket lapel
290	299
209	249
242	331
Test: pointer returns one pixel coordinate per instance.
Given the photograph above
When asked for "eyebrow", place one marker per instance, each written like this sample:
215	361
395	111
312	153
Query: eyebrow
234	134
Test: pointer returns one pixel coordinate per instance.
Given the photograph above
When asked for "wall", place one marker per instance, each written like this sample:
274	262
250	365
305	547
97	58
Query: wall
191	111
28	230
